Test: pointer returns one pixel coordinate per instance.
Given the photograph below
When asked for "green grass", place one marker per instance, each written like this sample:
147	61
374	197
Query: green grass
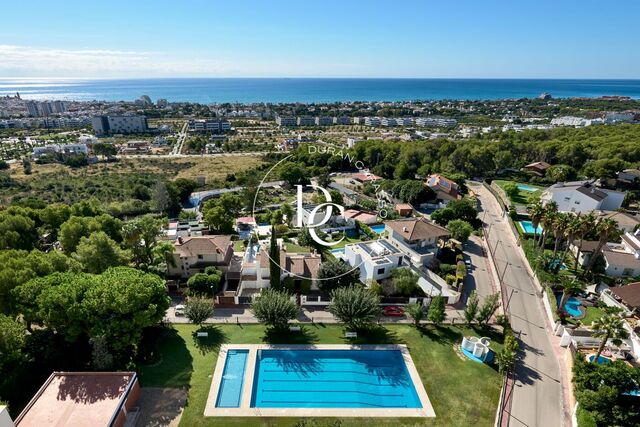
293	248
592	313
239	246
522	198
462	392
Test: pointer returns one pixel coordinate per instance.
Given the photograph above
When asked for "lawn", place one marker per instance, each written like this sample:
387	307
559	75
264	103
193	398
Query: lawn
462	392
591	314
522	198
293	248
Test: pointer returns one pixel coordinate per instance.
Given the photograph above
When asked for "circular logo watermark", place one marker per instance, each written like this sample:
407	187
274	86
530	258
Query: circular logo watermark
320	214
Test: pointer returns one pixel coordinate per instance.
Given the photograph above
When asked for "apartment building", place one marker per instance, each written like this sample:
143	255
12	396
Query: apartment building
110	125
286	121
214	126
438	122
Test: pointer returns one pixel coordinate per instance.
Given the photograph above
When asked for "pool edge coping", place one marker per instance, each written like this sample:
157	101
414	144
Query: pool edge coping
245	409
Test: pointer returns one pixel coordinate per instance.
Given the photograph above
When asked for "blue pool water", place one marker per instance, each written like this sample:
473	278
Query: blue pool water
232	379
601	360
338	251
572	306
527	226
332	379
525	187
378	228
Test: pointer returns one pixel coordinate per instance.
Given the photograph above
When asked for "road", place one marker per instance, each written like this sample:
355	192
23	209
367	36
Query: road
182	136
537	396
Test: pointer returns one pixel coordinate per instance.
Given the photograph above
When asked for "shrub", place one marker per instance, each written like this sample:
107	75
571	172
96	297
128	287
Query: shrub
198	309
274	308
355	306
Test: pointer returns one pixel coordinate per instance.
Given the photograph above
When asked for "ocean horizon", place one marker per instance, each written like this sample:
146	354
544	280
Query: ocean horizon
310	90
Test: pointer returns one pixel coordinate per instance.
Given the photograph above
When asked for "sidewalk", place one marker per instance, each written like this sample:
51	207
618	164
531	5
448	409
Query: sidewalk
307	315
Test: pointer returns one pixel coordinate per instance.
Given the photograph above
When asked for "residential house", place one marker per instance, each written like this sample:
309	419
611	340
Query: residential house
582	196
416	237
537	168
629	176
627	297
623	259
194	254
626	222
352	215
364	177
404	209
445	189
376	259
296	267
585	252
83	399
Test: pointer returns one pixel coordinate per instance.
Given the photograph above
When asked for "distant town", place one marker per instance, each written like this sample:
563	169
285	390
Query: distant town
176	252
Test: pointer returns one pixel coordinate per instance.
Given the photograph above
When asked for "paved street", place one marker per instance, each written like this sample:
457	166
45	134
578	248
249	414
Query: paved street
537	398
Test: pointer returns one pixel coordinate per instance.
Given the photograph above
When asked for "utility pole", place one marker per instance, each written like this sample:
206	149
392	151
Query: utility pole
495	248
503	273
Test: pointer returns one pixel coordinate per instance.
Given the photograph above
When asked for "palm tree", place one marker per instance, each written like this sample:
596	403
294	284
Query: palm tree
609	325
536	211
569	288
587	223
607	229
573	229
559	226
550	210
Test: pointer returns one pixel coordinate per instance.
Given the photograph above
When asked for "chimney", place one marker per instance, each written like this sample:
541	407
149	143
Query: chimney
405	229
179	240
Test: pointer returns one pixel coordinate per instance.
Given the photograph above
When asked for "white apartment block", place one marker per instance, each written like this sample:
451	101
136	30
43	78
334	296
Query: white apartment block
215	126
435	122
306	121
372	121
323	121
287	121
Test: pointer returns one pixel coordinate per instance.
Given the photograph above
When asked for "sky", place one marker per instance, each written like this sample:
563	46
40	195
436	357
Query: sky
304	38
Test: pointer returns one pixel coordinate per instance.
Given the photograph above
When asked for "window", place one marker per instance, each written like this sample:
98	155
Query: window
200	257
381	270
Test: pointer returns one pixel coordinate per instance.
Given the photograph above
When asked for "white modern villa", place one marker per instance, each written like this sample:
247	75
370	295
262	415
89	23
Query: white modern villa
582	196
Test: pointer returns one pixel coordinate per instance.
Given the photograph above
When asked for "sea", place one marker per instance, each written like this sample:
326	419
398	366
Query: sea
309	90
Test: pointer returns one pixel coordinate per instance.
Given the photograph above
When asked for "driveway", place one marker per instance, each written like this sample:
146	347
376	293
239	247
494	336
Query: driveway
161	407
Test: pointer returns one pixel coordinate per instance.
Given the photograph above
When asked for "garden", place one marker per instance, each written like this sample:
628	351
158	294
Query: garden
462	392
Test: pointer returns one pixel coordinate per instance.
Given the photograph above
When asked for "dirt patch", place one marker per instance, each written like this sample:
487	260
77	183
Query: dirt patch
161	407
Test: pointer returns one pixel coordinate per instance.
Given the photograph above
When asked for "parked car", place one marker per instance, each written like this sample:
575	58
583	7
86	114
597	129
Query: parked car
393	311
467	263
179	310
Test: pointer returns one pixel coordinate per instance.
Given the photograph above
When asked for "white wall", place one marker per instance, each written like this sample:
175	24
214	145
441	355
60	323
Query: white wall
5	419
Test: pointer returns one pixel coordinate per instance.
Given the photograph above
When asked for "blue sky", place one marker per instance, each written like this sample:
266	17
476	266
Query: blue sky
136	38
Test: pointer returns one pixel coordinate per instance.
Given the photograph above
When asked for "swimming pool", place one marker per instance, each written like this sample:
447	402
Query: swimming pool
527	227
338	251
232	379
572	306
379	228
332	379
525	187
601	359
317	380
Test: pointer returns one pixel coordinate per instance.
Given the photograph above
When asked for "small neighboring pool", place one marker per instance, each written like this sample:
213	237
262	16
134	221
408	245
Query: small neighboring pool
525	187
601	359
572	306
527	227
338	251
378	228
332	379
232	379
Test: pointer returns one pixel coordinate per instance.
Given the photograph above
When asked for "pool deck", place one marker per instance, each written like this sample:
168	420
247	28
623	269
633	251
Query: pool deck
245	409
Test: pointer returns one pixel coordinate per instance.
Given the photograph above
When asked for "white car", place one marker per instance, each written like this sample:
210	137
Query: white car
467	263
179	310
